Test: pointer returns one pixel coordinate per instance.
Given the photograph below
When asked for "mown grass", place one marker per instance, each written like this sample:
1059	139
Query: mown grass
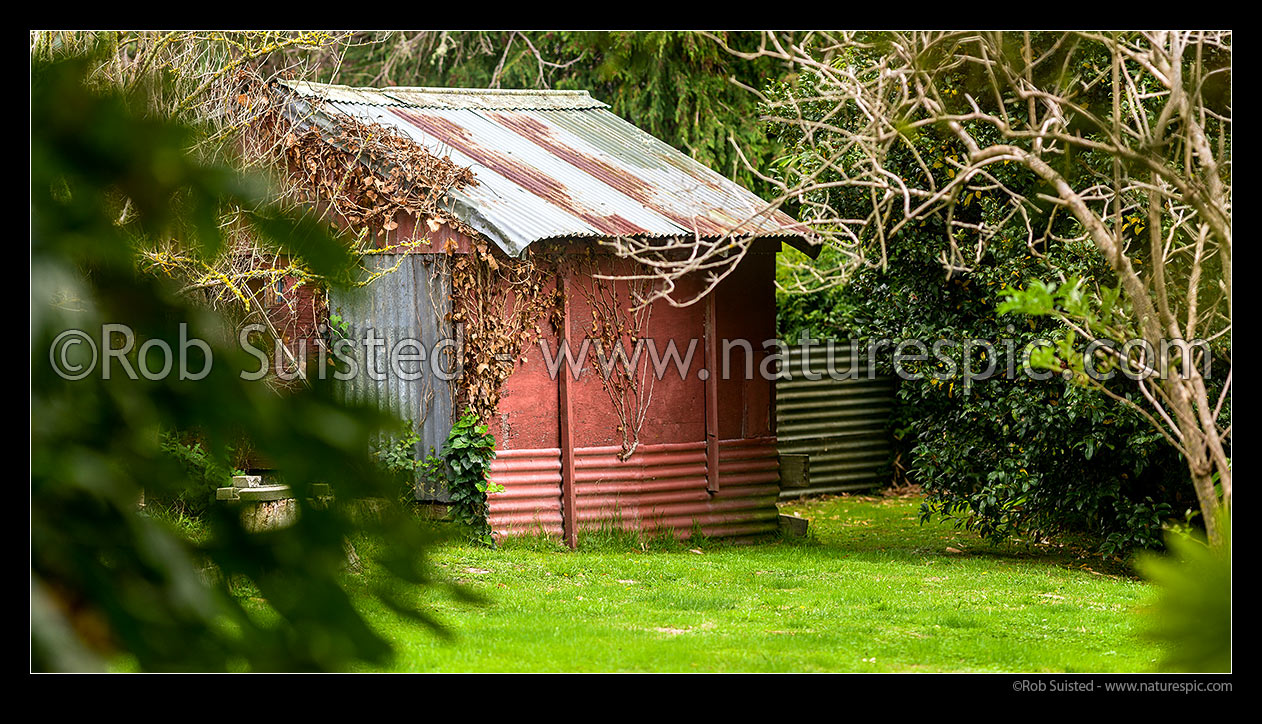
869	590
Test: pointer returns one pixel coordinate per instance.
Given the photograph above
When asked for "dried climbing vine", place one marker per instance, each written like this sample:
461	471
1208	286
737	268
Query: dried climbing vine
503	304
617	327
359	176
363	174
500	306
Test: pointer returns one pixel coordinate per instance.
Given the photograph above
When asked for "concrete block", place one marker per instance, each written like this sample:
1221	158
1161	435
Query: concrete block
795	471
263	493
793	526
246	481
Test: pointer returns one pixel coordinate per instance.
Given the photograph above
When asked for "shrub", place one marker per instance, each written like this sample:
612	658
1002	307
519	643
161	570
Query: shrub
1006	457
397	455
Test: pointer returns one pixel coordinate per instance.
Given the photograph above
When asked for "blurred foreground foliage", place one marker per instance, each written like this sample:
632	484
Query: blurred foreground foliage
1192	613
107	581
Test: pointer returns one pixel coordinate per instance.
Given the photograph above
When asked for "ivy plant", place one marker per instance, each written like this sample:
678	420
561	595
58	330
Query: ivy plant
466	458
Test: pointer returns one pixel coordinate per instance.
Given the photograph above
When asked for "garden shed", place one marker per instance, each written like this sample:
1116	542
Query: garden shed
510	263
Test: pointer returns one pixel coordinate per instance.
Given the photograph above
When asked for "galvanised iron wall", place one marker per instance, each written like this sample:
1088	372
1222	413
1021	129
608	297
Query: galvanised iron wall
410	301
840	424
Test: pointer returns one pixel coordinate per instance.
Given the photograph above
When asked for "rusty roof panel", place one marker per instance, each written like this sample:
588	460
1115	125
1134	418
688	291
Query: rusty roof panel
556	164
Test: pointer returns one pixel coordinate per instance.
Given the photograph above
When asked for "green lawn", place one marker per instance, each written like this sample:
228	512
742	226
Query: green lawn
869	590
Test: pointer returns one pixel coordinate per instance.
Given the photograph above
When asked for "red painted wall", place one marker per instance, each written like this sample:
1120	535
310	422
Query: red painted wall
663	484
745	309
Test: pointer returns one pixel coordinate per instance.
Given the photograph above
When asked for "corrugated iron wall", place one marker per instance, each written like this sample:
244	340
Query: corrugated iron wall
660	487
410	302
841	424
531	500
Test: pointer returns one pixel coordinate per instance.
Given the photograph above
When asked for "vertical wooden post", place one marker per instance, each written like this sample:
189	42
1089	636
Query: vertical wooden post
710	375
569	517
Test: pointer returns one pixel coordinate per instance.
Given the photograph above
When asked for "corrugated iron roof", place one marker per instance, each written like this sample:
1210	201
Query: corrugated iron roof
457	98
557	164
